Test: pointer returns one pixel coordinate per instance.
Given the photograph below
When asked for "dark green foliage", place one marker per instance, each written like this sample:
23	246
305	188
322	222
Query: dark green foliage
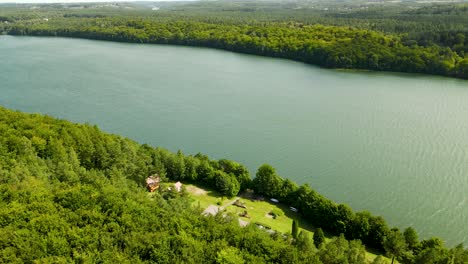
411	238
432	242
319	237
226	184
267	182
295	229
398	40
240	172
287	191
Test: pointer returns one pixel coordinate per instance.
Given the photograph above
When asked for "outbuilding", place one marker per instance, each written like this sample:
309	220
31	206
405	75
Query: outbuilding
152	182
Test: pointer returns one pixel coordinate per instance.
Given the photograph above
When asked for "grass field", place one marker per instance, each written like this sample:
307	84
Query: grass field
257	210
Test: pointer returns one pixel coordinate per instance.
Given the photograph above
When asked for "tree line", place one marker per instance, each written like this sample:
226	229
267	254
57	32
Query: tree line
70	193
326	46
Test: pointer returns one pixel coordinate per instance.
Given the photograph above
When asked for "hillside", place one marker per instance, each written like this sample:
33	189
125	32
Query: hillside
71	193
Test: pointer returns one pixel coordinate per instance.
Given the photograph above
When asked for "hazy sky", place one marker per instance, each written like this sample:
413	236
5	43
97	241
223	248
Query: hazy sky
66	1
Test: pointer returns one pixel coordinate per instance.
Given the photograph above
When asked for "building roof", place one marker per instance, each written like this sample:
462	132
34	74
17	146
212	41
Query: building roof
178	186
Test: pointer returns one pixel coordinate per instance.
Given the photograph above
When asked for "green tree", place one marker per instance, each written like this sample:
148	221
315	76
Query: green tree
239	171
394	244
287	191
379	260
411	238
303	242
229	255
226	184
319	237
266	181
295	229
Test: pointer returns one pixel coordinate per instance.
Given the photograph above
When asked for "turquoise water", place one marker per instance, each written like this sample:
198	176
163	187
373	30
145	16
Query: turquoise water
393	144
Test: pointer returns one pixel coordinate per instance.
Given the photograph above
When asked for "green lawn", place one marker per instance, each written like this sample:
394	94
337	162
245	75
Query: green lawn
257	210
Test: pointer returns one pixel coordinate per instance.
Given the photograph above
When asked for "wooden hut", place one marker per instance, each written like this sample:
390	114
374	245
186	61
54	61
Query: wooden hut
152	182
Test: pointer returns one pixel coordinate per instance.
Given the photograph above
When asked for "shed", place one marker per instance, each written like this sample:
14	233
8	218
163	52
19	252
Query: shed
178	186
152	182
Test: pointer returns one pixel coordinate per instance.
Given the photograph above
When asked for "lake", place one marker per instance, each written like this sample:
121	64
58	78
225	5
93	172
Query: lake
392	144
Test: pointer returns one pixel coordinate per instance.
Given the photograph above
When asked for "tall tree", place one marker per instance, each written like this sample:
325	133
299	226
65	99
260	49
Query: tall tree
303	242
394	244
295	229
226	183
266	181
411	238
319	237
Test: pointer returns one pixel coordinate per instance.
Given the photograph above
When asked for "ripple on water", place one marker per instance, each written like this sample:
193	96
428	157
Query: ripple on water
395	145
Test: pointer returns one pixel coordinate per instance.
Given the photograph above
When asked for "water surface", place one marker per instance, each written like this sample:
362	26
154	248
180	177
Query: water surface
393	144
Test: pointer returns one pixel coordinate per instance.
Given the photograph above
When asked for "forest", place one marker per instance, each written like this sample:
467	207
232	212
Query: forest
427	38
71	193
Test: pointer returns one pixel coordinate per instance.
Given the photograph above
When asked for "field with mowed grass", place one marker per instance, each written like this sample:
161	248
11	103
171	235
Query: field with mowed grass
257	211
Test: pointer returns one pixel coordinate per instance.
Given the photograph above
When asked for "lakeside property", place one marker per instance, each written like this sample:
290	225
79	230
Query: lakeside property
374	141
212	202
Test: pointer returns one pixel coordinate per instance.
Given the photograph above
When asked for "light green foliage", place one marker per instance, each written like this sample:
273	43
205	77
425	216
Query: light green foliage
339	250
276	213
229	255
379	260
395	244
304	243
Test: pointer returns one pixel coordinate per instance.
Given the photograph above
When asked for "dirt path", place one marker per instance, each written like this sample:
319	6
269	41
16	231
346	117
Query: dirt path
211	210
196	190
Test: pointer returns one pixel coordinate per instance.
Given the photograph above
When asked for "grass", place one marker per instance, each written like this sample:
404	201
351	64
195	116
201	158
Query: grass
204	197
257	210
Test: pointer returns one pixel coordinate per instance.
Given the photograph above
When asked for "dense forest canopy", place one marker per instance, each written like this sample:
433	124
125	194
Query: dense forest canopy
406	37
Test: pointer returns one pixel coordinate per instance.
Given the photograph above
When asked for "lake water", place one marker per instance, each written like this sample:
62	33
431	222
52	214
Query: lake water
393	144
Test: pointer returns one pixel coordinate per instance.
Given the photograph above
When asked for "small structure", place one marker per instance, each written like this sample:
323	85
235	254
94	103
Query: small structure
240	204
211	210
178	186
244	214
152	182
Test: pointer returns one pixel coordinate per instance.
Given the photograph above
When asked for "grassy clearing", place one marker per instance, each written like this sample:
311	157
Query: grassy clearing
257	210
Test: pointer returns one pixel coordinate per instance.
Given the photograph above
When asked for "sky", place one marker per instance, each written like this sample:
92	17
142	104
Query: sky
68	1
